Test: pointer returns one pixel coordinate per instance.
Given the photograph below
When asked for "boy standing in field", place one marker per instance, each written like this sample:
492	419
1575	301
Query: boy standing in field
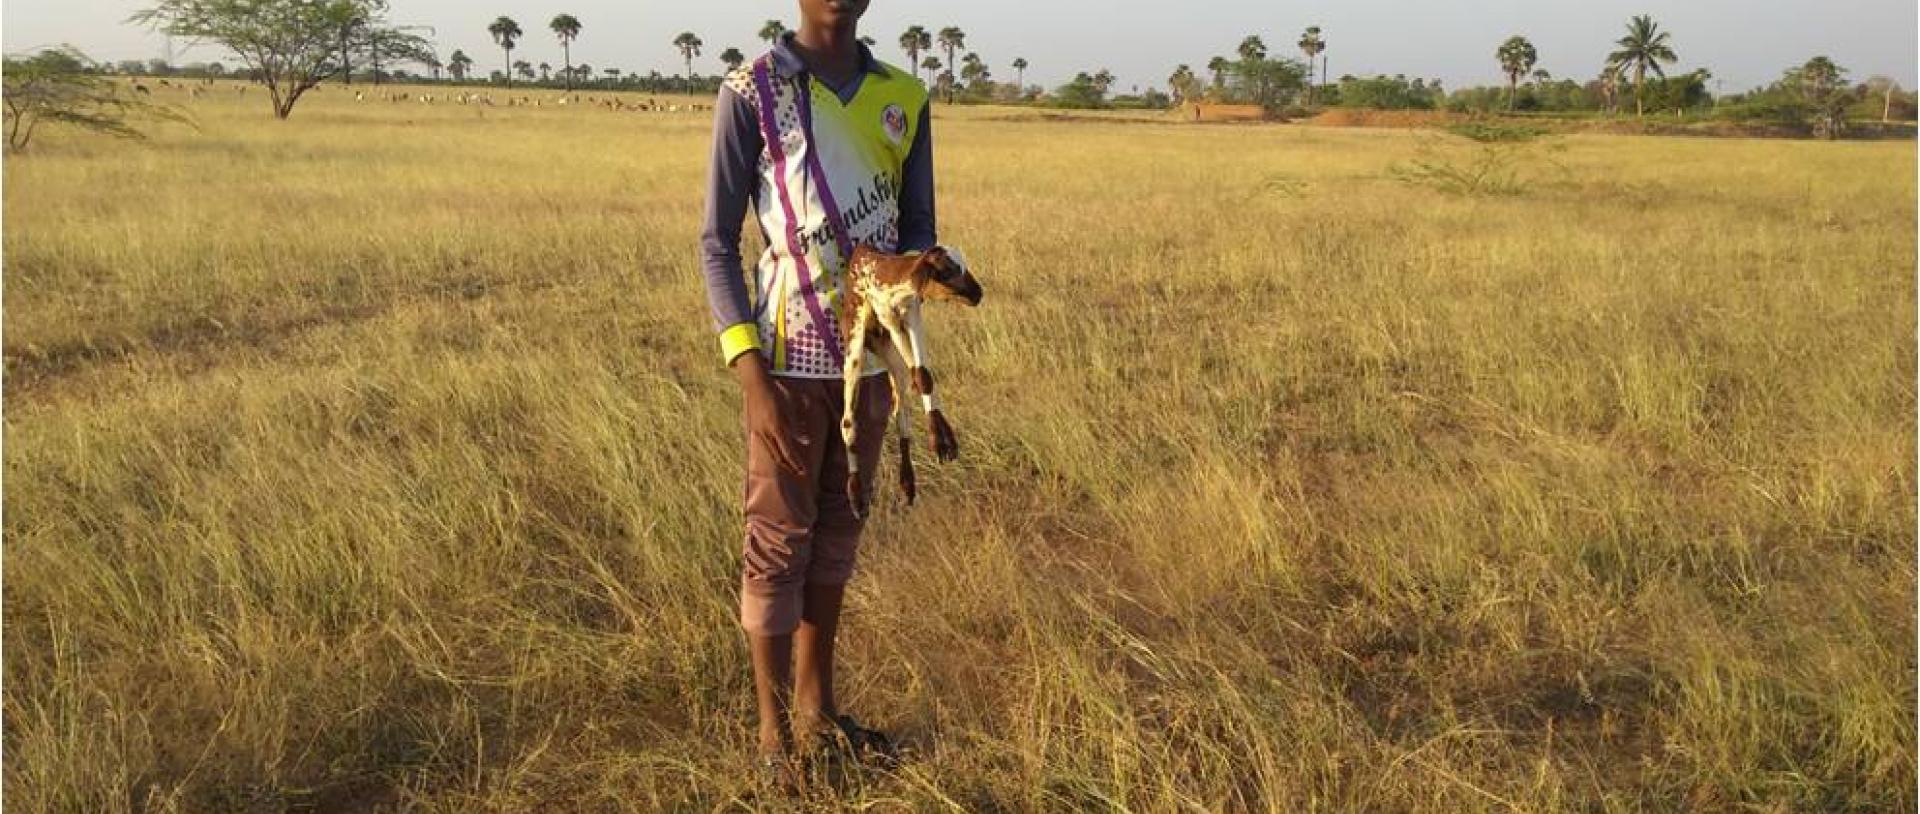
832	149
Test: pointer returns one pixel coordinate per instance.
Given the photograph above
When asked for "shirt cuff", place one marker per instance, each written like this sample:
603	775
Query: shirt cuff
738	339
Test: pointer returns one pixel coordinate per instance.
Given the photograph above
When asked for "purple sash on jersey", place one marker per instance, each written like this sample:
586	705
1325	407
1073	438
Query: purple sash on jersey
828	330
841	236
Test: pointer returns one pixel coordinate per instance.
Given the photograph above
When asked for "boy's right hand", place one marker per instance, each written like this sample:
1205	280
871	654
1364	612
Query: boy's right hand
762	405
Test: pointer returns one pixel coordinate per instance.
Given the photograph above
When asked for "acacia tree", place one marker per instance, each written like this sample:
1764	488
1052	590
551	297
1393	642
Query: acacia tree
733	59
567	28
1644	48
61	85
505	33
290	46
1517	57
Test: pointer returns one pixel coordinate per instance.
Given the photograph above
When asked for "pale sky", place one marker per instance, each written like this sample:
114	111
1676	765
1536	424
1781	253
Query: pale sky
1744	42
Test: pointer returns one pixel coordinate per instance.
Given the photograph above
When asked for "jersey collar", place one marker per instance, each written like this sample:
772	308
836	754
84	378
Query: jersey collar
787	61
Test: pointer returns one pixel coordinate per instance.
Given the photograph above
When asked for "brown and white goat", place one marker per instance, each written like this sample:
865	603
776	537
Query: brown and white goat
881	305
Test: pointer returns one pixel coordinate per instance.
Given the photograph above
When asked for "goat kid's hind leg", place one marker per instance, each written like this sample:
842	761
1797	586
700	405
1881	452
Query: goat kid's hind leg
946	445
850	372
903	428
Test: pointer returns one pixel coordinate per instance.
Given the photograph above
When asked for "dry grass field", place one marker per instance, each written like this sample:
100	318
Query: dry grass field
381	459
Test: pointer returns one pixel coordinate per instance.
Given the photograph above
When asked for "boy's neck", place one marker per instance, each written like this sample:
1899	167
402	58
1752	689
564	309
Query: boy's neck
833	53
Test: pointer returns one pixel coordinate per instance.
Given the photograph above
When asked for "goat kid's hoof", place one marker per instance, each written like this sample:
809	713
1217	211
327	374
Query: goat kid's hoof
907	486
946	446
853	496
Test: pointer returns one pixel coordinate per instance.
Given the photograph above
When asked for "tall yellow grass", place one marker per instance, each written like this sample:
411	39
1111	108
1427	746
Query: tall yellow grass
380	457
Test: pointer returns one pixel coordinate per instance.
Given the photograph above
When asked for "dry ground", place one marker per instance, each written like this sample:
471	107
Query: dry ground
381	457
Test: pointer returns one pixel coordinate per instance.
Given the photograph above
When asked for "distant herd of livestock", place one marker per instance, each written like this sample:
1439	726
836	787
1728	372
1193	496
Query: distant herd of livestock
196	90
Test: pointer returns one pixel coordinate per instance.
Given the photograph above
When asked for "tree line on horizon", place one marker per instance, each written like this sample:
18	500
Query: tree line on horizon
291	46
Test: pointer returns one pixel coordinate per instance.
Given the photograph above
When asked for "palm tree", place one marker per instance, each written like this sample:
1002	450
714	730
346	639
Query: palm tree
458	64
546	72
932	64
505	32
974	71
1020	70
733	58
1516	57
689	46
523	68
1610	85
1311	44
1181	82
914	41
771	31
1643	48
567	28
1218	65
1252	49
433	64
952	39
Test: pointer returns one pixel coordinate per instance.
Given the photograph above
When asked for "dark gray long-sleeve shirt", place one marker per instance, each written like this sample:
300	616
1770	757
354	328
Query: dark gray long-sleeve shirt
733	185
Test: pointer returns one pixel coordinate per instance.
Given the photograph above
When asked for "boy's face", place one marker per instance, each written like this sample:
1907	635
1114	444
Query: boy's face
832	13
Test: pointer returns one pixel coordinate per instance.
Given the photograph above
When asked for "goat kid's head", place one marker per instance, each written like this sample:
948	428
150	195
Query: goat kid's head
942	275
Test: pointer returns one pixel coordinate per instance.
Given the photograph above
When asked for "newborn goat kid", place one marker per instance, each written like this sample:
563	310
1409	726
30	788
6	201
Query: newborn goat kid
881	303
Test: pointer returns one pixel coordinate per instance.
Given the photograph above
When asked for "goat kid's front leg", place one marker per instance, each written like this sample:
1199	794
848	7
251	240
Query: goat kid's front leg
946	445
903	428
850	371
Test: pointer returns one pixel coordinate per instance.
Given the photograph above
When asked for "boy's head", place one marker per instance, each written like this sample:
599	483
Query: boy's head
832	14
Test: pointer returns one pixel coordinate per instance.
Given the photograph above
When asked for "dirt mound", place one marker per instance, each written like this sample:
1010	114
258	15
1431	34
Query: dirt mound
1210	112
1356	117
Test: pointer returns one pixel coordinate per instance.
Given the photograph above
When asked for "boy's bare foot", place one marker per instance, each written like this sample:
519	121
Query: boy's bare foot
777	772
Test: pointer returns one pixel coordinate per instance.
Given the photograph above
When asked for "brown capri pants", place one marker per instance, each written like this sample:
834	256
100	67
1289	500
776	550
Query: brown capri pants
801	530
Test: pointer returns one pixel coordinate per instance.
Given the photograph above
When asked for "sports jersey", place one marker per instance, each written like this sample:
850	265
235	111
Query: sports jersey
825	169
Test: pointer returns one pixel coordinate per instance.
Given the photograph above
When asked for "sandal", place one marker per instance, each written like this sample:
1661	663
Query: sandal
847	736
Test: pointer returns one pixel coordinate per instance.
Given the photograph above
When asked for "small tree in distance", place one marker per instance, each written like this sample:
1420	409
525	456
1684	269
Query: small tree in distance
1643	49
56	85
567	28
289	47
1517	57
689	46
505	33
915	41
